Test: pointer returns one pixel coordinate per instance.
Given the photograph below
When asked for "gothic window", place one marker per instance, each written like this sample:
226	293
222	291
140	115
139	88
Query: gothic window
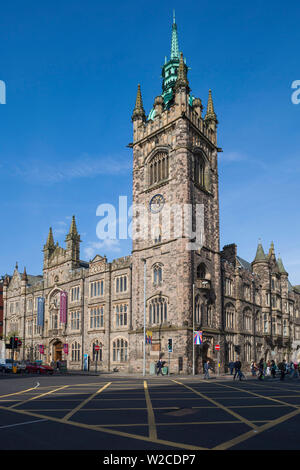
120	350
285	328
121	314
157	274
75	320
228	287
97	317
199	170
198	311
247	320
158	311
54	320
121	284
210	315
201	271
75	351
230	316
75	294
247	352
96	289
158	168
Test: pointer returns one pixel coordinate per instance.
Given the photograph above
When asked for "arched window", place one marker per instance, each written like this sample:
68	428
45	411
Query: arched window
201	271
157	274
75	351
120	350
199	170
230	316
247	320
247	352
285	328
158	311
198	310
158	168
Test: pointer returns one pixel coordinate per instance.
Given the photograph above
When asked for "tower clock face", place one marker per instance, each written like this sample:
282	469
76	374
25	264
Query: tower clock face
157	203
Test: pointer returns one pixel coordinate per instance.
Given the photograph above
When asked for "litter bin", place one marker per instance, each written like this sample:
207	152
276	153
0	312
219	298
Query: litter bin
165	370
14	369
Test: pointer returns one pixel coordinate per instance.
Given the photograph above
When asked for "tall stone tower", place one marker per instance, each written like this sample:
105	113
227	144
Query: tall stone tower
174	170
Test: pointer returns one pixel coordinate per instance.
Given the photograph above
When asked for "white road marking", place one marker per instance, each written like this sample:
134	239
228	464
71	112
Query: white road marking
20	424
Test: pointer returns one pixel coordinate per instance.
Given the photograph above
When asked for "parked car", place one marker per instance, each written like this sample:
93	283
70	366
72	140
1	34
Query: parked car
7	365
37	368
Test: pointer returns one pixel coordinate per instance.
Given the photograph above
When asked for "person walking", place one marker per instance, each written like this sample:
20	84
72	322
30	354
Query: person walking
237	368
273	369
253	369
206	370
231	367
268	372
282	368
159	366
261	370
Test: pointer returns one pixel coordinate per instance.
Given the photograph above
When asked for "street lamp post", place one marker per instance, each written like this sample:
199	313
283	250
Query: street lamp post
193	329
144	360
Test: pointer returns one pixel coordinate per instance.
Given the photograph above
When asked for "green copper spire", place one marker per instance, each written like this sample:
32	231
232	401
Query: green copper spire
174	43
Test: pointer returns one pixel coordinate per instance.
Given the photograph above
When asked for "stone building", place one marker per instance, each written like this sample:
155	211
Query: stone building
250	309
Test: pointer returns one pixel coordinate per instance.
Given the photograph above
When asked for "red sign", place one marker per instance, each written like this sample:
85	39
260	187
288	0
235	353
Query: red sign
66	349
96	348
217	347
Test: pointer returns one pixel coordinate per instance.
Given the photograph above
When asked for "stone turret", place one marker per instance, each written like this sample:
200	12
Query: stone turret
73	244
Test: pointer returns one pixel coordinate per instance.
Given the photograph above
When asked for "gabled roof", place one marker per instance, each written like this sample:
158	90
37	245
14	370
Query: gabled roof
244	264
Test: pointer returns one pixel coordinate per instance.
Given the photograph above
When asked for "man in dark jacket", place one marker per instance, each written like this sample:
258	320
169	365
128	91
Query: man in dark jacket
159	366
237	368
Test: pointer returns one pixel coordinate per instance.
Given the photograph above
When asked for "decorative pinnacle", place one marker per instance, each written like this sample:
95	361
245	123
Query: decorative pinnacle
24	276
210	112
182	80
73	233
280	265
50	240
139	111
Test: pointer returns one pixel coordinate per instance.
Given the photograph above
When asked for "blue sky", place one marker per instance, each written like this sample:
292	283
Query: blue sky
71	70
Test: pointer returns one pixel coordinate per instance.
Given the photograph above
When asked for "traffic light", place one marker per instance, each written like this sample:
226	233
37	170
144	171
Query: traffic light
16	342
11	342
170	345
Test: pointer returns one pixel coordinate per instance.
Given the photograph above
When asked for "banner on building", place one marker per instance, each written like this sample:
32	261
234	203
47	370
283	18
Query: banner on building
40	311
66	348
41	347
198	337
148	337
63	307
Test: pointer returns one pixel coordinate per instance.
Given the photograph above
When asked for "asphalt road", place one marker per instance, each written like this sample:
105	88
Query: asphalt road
155	413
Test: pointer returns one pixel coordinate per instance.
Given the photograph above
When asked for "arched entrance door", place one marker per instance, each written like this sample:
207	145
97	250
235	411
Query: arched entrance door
57	351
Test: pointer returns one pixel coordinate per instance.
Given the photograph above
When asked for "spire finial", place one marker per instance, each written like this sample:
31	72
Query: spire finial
139	111
210	112
182	80
50	240
174	43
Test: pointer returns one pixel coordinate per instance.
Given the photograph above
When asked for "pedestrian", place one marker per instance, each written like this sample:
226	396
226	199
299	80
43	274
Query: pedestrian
261	374
206	369
268	372
237	368
231	367
253	369
159	367
273	369
292	370
282	368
